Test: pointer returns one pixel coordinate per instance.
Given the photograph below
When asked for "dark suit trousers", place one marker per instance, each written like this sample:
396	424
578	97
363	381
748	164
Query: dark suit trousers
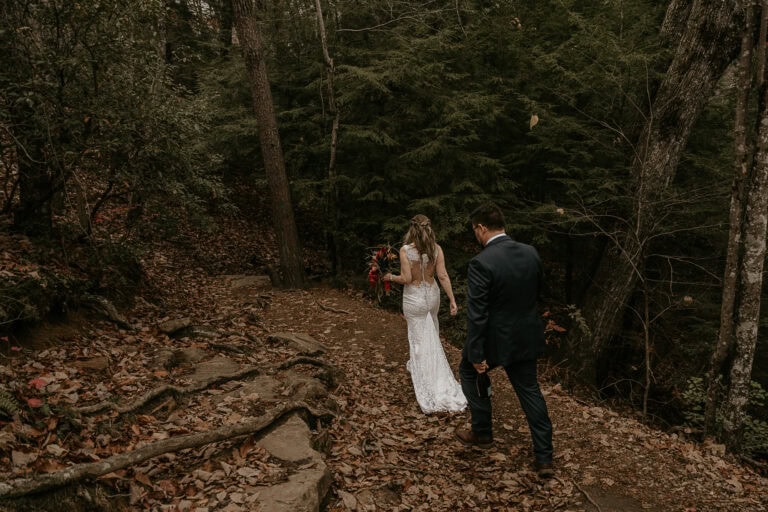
522	376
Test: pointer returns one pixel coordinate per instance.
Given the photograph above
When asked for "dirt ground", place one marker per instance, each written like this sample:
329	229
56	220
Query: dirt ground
383	452
387	453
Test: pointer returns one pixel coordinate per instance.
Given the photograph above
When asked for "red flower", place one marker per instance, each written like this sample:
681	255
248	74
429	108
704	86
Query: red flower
384	260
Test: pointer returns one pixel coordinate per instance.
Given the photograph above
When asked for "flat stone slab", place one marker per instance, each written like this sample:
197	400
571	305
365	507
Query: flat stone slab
304	491
301	342
95	363
189	355
267	388
259	282
290	442
213	368
174	325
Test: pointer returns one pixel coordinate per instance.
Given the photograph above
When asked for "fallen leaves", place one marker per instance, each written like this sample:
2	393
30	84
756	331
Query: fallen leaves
384	453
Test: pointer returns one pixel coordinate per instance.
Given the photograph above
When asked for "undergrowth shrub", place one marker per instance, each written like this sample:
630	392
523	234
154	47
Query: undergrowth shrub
755	440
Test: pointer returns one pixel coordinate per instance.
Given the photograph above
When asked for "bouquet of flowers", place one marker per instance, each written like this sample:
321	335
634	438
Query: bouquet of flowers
384	259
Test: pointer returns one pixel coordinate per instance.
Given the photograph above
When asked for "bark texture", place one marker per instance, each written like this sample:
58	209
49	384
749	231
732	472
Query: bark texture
724	345
750	288
707	45
249	35
333	191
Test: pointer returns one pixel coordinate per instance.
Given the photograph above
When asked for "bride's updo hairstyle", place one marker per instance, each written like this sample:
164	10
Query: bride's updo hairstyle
420	234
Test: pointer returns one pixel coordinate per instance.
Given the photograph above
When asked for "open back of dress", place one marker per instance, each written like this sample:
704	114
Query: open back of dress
433	382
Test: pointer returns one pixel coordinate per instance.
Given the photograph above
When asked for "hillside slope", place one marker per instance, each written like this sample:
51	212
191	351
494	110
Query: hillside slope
383	452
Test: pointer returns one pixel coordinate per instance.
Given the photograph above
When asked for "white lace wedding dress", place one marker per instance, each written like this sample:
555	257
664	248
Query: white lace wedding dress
433	382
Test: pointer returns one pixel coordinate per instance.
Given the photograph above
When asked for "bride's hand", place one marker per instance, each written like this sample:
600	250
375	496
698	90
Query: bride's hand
454	308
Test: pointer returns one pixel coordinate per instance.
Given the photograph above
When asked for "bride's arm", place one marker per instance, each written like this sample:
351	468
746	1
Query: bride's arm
445	280
405	276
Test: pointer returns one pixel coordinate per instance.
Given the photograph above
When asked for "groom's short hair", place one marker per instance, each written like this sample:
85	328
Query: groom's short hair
489	215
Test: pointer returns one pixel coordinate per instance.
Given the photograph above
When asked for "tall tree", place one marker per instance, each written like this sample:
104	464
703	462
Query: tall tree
706	46
725	339
750	287
333	113
246	15
744	267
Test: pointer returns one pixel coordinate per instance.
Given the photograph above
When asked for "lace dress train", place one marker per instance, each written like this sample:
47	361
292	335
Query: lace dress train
435	386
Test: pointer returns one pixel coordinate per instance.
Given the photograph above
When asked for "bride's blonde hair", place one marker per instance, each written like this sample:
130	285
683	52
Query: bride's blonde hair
420	234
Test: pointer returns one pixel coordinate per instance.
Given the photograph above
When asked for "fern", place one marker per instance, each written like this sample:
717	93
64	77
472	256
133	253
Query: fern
8	404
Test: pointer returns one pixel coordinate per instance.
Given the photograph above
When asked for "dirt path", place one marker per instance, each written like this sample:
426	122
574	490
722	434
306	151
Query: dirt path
384	453
387	455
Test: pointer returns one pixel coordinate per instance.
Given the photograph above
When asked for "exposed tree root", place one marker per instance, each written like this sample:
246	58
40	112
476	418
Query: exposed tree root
332	310
25	487
305	360
331	377
167	389
586	495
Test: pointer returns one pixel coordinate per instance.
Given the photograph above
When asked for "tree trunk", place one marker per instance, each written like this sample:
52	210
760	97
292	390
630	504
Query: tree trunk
226	21
724	345
705	49
332	201
750	287
675	19
34	213
246	24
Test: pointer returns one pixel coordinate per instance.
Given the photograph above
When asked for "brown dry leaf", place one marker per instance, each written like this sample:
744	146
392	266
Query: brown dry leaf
142	478
167	486
246	447
146	419
20	458
48	465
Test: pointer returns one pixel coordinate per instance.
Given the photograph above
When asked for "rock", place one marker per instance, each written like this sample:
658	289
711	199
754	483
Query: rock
216	367
302	343
175	325
267	388
290	442
163	359
189	355
305	388
305	490
258	282
95	363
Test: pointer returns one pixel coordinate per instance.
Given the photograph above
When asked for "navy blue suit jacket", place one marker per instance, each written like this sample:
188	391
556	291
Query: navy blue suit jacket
503	322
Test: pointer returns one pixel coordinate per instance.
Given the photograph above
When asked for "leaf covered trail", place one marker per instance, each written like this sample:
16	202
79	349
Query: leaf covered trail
388	455
384	453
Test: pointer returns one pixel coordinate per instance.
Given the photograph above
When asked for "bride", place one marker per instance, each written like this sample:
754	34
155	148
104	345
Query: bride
421	258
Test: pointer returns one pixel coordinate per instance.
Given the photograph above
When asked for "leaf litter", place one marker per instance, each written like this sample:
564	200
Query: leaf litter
383	452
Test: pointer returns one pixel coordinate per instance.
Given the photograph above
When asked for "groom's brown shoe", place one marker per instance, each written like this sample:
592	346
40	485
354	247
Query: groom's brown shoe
469	438
544	470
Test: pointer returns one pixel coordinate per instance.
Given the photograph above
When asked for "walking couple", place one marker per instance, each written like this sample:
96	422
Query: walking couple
504	328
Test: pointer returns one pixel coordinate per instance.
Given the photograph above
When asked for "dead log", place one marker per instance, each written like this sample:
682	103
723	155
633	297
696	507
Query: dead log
25	487
167	389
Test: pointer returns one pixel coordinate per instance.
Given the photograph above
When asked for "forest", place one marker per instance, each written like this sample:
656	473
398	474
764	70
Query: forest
627	140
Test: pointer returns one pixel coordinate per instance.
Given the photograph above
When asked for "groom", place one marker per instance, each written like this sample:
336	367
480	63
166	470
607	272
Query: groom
504	329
